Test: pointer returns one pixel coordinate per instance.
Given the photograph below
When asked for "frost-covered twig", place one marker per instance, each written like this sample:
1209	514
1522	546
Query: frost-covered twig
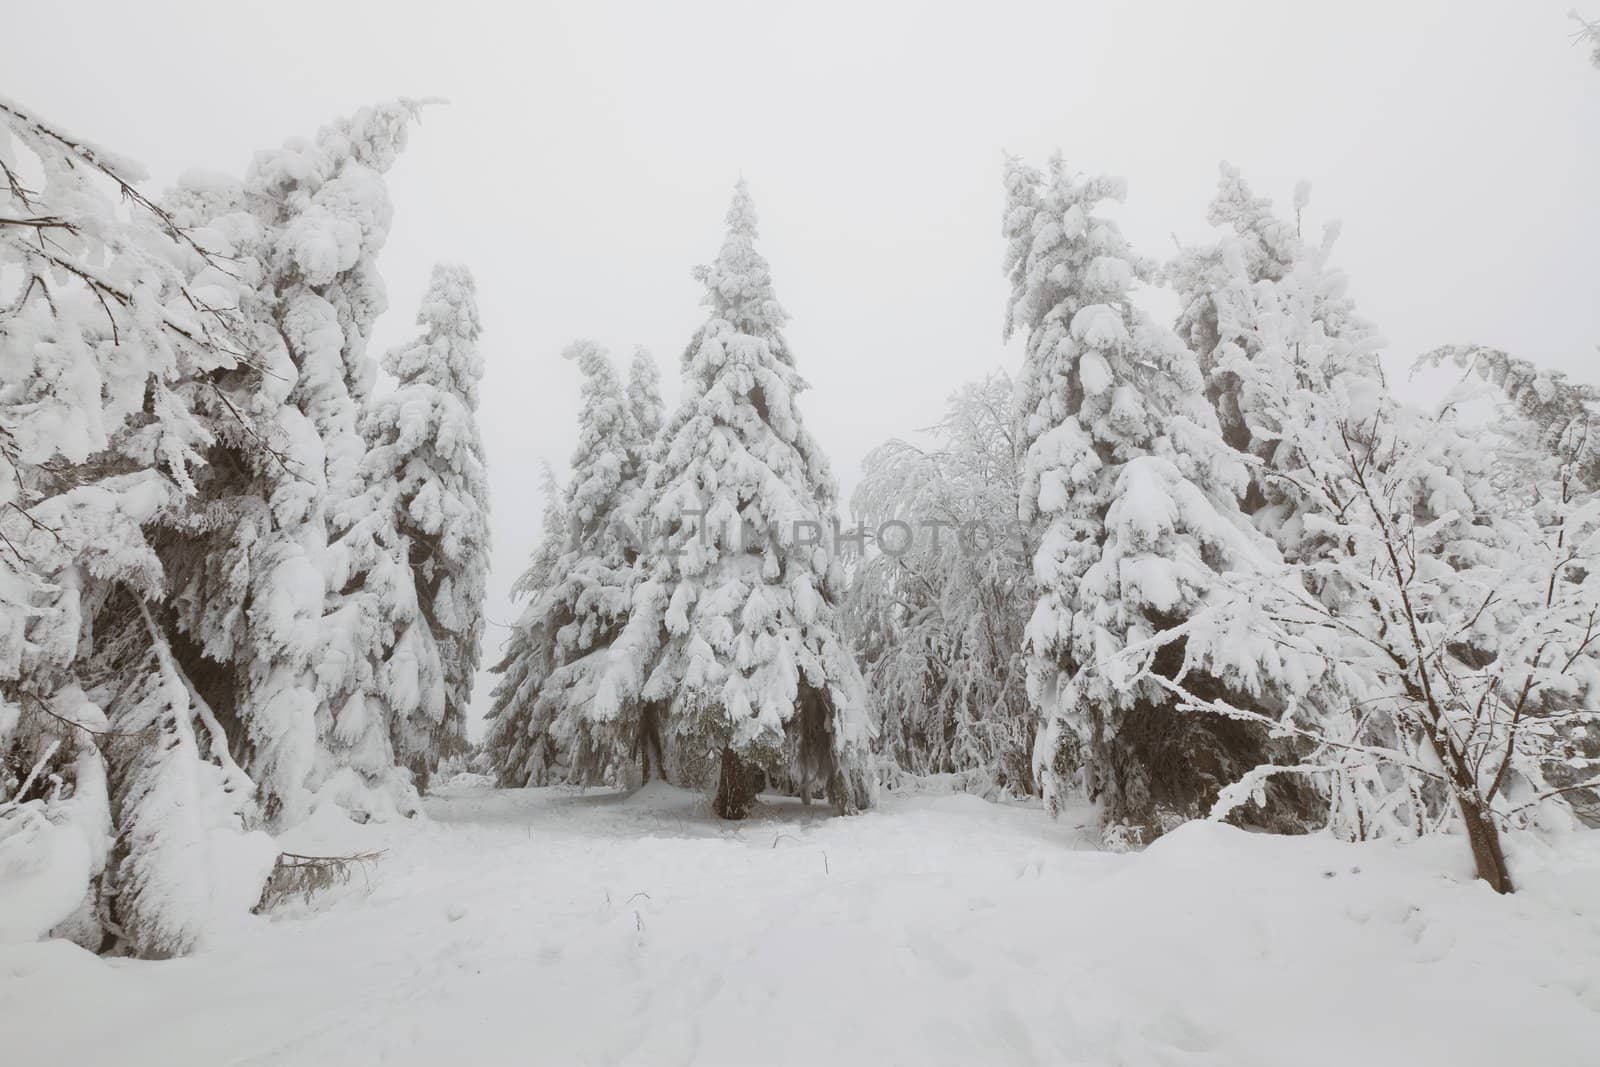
1254	783
38	768
120	172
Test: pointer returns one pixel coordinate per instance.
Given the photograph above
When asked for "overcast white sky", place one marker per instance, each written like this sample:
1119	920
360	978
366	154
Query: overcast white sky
587	156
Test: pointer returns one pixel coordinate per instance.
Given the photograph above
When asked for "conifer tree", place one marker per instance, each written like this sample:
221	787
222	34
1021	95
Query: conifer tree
579	584
116	324
1133	497
183	863
644	397
417	536
1435	634
584	602
732	642
518	753
1557	413
1258	246
251	572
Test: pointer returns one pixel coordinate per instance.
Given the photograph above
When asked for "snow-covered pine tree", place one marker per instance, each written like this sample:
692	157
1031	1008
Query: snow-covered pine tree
583	604
519	752
417	536
1132	493
113	327
644	397
733	641
256	592
1269	248
938	625
1277	331
1264	292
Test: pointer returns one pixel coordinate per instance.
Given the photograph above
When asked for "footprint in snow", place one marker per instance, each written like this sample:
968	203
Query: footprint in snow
928	948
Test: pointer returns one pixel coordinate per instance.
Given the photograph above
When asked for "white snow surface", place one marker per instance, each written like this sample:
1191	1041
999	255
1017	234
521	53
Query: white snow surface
549	926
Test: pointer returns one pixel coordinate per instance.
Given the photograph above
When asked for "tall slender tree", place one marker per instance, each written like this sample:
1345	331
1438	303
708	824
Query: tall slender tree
416	539
580	584
585	604
519	748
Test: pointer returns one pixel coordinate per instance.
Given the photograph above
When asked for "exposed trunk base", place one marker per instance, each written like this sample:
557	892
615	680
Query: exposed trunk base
1484	837
737	785
647	741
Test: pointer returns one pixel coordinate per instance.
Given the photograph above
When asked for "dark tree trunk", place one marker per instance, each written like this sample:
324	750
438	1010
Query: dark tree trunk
647	741
1484	837
736	787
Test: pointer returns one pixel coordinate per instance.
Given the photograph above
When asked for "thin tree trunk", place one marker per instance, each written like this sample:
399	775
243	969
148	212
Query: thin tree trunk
1484	837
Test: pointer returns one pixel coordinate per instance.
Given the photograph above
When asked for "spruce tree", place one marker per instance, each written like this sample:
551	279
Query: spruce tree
732	642
258	595
644	397
182	864
521	753
1132	494
579	585
418	534
584	605
1259	246
1267	314
119	320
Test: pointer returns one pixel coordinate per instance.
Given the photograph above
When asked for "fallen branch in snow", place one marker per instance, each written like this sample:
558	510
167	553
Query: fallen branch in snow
295	875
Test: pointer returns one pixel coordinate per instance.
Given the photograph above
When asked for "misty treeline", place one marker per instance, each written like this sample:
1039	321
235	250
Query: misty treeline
1223	572
1247	582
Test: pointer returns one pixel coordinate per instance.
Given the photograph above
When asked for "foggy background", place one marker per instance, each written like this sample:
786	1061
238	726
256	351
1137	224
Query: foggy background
589	151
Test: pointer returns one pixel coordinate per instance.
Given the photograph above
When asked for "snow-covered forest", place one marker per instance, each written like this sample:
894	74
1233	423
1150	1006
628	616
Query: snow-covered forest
1204	667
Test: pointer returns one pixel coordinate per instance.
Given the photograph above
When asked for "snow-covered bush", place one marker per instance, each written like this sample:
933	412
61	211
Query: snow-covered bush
1435	622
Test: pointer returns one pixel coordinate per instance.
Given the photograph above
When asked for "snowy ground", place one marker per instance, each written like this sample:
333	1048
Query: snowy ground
543	926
